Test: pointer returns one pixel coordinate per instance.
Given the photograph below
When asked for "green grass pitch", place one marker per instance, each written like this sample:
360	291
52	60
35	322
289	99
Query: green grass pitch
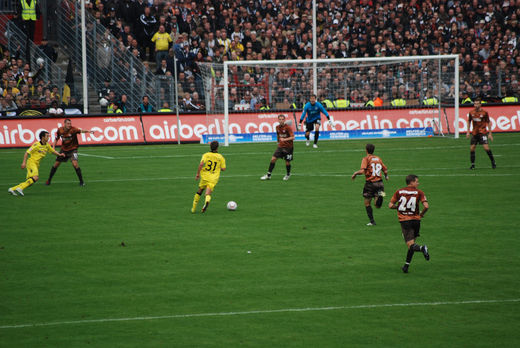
123	263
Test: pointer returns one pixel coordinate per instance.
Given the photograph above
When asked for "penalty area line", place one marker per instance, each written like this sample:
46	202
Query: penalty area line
266	311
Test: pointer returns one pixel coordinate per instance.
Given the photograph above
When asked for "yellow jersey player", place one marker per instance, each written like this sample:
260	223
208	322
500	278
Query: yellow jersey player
38	150
209	172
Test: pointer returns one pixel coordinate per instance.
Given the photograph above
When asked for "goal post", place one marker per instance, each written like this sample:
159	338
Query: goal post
430	82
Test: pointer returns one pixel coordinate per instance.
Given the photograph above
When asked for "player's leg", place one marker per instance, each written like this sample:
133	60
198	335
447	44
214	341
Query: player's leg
316	134
288	158
380	195
54	168
410	233
196	198
75	164
31	178
472	148
207	198
271	166
308	128
368	194
490	154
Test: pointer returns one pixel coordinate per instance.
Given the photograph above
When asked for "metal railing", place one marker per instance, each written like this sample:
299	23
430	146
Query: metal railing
108	58
45	68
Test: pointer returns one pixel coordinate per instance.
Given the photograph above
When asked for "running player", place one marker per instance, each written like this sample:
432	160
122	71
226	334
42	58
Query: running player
285	137
209	172
406	201
479	118
69	147
313	110
373	168
38	150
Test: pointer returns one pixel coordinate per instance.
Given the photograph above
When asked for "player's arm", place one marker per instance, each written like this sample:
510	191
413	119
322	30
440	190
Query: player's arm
392	204
86	131
201	165
324	111
356	173
425	208
24	162
469	124
488	126
304	112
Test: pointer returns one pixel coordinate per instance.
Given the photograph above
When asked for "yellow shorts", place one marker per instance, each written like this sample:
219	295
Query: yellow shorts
207	183
32	169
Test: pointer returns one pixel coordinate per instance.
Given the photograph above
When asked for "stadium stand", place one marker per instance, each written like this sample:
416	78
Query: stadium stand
483	33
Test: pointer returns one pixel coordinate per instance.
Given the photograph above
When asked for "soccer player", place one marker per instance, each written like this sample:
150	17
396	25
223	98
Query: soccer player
406	201
479	118
69	147
209	172
373	168
313	110
38	150
285	137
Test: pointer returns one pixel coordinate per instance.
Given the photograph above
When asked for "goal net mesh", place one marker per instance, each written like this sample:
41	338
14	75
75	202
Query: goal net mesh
347	84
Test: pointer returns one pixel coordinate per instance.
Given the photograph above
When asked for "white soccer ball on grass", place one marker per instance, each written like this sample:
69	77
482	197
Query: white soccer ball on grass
232	205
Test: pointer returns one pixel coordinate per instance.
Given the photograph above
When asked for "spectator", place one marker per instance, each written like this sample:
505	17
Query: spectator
145	106
162	42
48	50
55	110
147	23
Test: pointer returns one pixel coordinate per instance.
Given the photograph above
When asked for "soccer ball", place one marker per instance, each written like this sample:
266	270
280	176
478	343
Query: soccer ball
232	205
40	61
103	102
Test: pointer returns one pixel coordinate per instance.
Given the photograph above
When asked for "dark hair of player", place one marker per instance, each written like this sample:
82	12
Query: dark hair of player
370	148
411	178
281	115
67	119
42	134
213	146
478	99
314	95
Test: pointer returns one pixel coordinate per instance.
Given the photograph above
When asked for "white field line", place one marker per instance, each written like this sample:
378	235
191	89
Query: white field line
304	152
266	311
338	175
91	155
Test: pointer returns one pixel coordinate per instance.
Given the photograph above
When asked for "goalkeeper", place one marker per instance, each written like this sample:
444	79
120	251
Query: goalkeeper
313	110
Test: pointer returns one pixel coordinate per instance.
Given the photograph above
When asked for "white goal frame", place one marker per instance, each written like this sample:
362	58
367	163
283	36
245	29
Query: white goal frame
439	58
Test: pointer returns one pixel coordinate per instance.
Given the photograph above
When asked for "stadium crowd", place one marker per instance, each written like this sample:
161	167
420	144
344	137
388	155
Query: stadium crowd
484	33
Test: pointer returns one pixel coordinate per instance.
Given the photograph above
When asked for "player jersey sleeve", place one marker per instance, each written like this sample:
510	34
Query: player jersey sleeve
364	163
223	164
31	149
395	197
422	197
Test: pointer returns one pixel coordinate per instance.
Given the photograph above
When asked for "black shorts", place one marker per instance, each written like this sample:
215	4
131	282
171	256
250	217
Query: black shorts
410	229
72	155
479	139
372	189
309	126
284	152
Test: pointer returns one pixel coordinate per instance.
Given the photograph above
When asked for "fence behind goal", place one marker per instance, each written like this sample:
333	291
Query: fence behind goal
340	84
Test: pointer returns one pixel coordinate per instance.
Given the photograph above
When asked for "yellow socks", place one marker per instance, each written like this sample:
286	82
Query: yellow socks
195	202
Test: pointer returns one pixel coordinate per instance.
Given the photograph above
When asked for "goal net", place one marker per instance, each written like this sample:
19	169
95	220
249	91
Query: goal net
430	83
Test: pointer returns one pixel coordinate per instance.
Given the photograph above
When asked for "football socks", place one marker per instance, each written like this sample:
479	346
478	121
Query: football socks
472	157
288	167
490	154
53	171
369	213
26	184
78	173
195	202
271	167
316	136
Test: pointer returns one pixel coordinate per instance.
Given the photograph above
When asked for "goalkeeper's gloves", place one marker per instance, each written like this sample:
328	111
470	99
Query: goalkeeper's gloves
330	123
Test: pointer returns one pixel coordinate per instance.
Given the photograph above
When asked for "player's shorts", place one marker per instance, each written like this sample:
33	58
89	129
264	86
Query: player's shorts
371	189
309	126
479	139
284	152
410	229
72	155
32	169
207	183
